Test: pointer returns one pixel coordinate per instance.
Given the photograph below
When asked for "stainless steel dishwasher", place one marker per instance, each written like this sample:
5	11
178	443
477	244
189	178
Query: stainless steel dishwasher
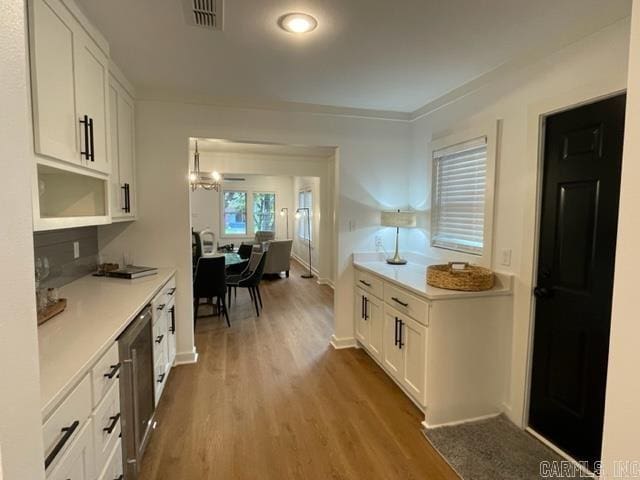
136	391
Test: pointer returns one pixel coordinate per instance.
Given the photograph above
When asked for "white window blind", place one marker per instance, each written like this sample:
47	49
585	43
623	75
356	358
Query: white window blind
460	173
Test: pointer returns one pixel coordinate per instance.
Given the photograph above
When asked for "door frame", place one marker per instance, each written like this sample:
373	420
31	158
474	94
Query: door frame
524	301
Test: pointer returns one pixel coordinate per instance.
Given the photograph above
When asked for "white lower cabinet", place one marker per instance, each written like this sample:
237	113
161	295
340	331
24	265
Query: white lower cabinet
114	470
369	322
106	426
78	462
392	355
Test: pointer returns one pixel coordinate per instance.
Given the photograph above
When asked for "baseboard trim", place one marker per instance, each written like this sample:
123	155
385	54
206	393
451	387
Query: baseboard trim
305	265
460	422
186	358
327	282
341	343
559	451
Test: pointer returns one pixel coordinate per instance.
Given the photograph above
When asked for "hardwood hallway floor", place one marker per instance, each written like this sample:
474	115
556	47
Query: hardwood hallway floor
271	399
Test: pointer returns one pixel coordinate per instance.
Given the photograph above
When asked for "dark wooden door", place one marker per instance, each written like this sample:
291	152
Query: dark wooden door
580	193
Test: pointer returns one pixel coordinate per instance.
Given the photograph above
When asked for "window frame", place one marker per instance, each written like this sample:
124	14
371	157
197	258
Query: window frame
275	209
223	233
301	227
488	131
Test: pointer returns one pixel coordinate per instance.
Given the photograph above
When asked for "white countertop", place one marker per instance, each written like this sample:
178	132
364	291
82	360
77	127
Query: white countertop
98	311
413	277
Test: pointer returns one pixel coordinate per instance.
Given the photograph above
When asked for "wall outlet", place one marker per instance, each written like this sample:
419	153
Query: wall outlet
76	249
378	240
505	258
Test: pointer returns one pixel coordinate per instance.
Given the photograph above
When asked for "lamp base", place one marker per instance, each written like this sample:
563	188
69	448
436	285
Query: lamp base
396	261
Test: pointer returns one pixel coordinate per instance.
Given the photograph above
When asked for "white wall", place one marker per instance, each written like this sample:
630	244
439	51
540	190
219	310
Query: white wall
300	245
587	69
20	419
622	415
367	177
206	205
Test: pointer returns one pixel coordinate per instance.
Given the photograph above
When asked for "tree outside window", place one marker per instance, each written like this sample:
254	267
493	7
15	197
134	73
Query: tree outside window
235	213
264	212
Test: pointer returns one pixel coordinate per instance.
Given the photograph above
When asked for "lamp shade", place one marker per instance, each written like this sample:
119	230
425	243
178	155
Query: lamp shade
398	219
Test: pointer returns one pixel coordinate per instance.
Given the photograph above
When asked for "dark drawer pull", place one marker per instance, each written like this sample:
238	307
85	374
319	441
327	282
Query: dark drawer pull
113	371
121	477
161	378
68	433
87	144
172	291
366	284
172	328
395	342
111	427
161	307
401	325
398	301
159	338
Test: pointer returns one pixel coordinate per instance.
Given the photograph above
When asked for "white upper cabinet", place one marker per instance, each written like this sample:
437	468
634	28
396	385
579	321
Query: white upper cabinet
92	73
52	34
69	78
122	126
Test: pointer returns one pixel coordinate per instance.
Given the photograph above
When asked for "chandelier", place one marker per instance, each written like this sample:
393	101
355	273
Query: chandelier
198	179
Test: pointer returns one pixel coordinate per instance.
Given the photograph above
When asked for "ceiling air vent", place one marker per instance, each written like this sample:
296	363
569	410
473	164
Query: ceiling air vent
204	13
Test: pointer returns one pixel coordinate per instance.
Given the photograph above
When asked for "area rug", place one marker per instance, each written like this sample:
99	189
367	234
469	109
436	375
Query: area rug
493	449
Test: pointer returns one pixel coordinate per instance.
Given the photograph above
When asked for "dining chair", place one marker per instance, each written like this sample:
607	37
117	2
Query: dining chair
250	279
244	250
209	282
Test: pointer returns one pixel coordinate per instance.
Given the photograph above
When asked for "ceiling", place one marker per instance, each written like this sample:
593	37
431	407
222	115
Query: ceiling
392	55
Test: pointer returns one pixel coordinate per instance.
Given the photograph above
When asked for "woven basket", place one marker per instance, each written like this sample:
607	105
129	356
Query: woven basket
468	279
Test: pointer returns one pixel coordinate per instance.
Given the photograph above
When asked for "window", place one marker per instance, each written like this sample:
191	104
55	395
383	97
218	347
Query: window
264	212
235	213
305	200
459	194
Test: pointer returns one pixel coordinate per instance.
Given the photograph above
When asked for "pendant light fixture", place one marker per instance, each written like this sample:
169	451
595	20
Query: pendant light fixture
198	179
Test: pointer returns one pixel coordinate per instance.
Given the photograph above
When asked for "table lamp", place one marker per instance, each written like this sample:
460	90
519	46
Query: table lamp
398	219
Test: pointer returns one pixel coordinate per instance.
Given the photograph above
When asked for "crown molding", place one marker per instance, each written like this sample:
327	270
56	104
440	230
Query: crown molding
170	96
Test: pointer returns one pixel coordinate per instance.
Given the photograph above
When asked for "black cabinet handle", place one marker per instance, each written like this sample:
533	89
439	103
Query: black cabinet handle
172	329
161	378
366	308
68	433
159	338
542	292
400	302
128	197
84	121
395	340
362	307
92	155
111	427
121	477
161	307
366	284
400	344
124	190
113	371
172	291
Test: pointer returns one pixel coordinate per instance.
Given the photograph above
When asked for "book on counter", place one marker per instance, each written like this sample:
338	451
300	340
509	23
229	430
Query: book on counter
131	272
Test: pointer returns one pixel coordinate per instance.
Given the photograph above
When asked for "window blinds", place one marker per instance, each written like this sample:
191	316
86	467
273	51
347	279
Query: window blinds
460	173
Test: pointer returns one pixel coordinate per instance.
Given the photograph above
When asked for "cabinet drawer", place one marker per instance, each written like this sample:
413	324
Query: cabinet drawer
78	462
407	303
160	379
61	429
160	337
113	469
106	426
105	374
369	283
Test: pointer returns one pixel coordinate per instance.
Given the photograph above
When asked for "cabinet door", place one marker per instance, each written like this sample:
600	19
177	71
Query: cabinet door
91	76
52	81
78	462
414	340
126	146
375	317
392	355
362	325
117	193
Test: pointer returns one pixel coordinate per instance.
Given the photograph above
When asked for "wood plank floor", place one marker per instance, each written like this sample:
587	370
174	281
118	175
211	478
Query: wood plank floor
270	399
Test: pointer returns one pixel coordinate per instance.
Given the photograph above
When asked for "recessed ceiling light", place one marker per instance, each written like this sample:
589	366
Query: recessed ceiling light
297	22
